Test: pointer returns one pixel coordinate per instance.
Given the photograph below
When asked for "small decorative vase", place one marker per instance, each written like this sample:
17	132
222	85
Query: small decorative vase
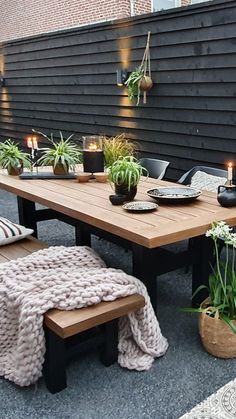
59	169
128	194
15	171
227	195
217	337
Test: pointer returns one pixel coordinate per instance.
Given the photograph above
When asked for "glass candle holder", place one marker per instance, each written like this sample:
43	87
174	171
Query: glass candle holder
93	154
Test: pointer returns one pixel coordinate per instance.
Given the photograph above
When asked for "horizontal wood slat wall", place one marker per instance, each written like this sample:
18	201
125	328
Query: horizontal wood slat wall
67	81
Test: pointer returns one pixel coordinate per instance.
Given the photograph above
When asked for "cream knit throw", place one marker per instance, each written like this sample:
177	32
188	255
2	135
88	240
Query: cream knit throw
67	278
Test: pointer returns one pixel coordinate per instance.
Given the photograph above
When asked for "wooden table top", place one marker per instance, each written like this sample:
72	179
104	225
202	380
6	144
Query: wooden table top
89	202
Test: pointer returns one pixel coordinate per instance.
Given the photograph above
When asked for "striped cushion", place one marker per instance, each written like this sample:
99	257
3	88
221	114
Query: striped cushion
11	232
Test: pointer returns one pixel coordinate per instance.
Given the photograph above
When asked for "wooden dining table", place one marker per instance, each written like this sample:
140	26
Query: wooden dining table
146	234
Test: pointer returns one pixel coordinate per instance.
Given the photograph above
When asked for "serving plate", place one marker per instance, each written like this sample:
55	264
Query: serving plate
174	194
140	206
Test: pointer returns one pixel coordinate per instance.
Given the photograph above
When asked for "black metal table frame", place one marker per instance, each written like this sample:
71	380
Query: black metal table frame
144	260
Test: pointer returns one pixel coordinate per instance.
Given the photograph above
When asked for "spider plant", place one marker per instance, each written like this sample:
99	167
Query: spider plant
12	158
63	153
126	171
133	84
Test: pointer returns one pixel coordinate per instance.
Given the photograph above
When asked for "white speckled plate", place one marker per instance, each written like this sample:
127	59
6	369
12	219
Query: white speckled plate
140	206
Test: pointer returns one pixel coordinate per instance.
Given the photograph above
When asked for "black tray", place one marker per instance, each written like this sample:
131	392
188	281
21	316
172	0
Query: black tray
46	175
174	194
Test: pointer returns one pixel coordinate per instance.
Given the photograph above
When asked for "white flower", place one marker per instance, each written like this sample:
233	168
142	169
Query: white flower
220	230
231	241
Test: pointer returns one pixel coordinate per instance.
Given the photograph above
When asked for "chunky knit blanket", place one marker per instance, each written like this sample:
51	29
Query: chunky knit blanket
67	278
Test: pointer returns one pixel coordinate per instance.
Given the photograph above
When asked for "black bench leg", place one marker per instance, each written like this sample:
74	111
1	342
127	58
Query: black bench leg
109	351
54	368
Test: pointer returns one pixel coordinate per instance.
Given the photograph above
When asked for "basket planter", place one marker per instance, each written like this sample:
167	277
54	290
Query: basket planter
15	171
146	83
59	169
217	337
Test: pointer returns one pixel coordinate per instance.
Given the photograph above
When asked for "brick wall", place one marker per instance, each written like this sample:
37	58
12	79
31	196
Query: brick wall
20	18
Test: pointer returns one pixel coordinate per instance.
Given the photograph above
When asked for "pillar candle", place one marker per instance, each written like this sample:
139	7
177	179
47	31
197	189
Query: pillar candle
230	172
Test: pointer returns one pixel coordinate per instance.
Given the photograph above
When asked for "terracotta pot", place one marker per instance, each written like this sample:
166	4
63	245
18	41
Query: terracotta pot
146	83
217	337
123	190
59	169
15	171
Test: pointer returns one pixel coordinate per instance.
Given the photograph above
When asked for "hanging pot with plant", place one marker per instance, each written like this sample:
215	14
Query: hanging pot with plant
140	79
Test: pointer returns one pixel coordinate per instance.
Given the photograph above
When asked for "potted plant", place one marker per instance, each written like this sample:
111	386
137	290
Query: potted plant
62	155
125	173
116	147
217	319
140	79
12	158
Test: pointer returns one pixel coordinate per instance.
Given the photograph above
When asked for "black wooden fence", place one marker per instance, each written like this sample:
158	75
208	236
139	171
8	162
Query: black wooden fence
67	81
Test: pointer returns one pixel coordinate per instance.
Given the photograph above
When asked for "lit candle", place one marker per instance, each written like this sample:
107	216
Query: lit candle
29	142
93	146
35	143
230	172
93	154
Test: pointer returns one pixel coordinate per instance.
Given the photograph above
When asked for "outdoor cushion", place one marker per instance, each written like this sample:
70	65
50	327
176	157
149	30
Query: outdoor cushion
204	181
11	232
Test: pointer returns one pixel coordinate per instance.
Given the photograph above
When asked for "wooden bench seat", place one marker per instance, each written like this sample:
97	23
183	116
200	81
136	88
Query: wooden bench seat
68	333
20	248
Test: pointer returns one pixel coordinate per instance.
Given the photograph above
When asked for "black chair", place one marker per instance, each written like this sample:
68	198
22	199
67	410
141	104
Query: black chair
156	168
186	180
187	177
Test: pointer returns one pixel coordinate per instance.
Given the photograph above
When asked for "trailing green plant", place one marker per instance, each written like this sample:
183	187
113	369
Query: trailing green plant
133	84
12	157
126	171
63	152
117	147
222	282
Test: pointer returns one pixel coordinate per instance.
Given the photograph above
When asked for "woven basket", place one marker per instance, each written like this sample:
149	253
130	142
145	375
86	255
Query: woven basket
217	337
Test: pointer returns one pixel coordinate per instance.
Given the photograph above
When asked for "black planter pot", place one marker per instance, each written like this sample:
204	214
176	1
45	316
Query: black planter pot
128	194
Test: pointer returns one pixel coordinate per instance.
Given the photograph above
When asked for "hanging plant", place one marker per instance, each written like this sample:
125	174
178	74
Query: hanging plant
140	79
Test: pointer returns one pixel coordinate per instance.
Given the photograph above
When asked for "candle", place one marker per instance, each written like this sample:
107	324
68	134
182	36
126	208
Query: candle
29	142
230	172
93	146
35	143
93	154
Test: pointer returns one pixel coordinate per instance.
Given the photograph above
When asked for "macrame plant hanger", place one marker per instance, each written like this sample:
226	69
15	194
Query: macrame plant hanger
146	64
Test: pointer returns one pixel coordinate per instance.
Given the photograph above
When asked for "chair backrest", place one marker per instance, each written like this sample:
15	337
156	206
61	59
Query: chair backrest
156	168
187	177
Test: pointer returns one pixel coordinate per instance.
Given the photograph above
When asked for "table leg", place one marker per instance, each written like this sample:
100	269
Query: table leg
82	236
203	259
144	268
27	214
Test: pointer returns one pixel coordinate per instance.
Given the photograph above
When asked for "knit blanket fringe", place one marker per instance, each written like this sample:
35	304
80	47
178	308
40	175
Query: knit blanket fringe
67	278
